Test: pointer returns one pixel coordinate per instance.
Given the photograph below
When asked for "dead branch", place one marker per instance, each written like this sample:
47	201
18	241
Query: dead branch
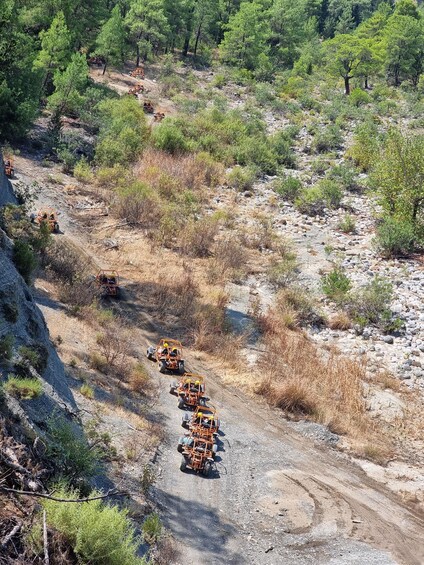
10	535
110	492
45	540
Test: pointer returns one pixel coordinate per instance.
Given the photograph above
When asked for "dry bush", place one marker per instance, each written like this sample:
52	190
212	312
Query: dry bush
209	324
197	237
387	380
167	173
229	260
138	208
139	379
166	551
114	343
297	378
175	292
340	321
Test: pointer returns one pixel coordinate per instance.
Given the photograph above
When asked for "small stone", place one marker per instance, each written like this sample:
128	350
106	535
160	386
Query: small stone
387	339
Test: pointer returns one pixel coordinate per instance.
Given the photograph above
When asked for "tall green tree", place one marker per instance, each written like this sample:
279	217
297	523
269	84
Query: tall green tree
288	31
404	37
110	43
55	50
69	87
247	35
398	178
148	27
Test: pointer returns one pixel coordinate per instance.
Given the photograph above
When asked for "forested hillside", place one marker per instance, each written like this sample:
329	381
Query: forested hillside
250	174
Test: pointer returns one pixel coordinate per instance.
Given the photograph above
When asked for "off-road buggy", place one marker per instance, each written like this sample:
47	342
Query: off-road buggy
190	390
169	355
198	455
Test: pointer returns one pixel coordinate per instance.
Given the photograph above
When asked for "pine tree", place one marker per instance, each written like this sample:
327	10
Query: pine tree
110	42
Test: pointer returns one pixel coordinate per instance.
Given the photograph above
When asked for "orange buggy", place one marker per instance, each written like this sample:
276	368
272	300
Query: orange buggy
198	455
169	355
138	72
190	391
9	171
108	282
203	422
48	216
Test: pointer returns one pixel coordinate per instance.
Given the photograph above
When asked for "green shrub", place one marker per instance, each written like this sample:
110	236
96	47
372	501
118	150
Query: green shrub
359	97
6	347
169	137
219	81
33	357
152	528
284	271
69	451
257	151
282	144
123	133
370	304
395	238
345	175
87	391
240	178
83	172
99	533
331	192
310	201
24	259
347	224
336	284
24	389
327	139
365	147
288	187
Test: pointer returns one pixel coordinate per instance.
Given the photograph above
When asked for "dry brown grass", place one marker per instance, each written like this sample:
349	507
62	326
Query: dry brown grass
139	379
298	379
167	173
387	380
340	321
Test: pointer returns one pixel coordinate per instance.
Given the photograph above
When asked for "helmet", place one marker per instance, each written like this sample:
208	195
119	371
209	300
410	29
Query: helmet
187	381
165	344
210	416
199	414
174	349
197	383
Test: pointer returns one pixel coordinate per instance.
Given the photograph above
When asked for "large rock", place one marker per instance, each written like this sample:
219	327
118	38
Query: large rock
20	317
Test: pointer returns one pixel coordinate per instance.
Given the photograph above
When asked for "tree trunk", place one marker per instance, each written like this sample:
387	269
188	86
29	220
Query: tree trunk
199	29
347	85
137	64
186	45
104	68
366	83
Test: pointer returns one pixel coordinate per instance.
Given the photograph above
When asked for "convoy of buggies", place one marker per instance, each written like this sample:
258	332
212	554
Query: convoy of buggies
199	445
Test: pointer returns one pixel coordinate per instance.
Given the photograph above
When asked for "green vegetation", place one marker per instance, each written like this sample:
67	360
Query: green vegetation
336	284
98	533
23	388
24	259
152	528
6	347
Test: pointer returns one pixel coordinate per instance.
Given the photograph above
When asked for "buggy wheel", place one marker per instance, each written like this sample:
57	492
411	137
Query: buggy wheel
207	469
181	368
162	366
214	450
56	228
180	448
181	403
183	465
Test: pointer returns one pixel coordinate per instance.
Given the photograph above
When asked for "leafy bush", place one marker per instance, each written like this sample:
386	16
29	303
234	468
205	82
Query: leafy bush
310	201
169	137
358	97
34	356
284	271
6	347
10	311
24	389
152	528
395	238
87	391
365	145
327	139
99	533
69	451
331	192
240	178
370	304
123	133
345	175
347	224
336	284
83	172
24	259
288	187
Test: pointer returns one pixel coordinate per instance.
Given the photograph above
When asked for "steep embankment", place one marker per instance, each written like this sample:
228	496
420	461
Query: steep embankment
6	191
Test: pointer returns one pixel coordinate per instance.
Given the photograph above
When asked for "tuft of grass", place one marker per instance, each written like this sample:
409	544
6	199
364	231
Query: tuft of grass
152	528
139	379
98	362
347	224
24	389
340	321
87	391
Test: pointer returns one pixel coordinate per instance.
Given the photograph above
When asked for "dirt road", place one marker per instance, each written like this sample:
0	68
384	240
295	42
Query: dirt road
276	497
